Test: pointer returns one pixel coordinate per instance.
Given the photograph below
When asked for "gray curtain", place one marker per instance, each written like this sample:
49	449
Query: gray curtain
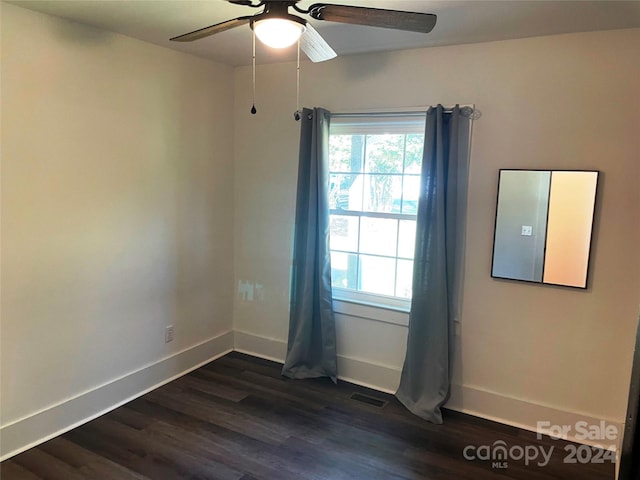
311	348
425	380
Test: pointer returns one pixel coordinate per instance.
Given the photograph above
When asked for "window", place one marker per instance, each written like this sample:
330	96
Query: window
375	165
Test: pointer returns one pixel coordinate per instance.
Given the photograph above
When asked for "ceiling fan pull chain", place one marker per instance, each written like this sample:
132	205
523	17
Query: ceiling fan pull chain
253	107
296	115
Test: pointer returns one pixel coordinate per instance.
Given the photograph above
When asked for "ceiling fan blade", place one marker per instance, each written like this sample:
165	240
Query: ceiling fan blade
374	17
315	47
213	29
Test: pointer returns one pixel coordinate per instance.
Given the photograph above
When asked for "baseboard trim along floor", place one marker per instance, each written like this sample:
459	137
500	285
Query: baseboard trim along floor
31	430
467	399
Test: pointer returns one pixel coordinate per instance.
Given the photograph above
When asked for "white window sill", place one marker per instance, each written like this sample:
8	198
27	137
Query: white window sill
391	314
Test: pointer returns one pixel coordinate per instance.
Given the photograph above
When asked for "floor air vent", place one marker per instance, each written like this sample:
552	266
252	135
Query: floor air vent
376	402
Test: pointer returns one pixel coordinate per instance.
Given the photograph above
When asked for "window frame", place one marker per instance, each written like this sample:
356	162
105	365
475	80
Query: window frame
355	302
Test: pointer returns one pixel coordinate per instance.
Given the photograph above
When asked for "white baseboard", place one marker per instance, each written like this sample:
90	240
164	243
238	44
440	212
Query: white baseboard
367	374
353	370
29	431
526	414
259	346
464	398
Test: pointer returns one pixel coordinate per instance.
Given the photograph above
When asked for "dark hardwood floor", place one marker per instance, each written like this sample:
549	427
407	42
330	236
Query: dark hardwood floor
238	419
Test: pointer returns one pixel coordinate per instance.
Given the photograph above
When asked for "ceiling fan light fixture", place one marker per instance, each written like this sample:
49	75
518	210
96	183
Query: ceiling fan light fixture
278	32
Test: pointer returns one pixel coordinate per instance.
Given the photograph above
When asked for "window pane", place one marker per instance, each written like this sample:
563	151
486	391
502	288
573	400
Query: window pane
382	193
346	153
404	279
378	236
344	233
384	153
410	194
345	192
377	275
407	238
374	174
344	270
413	153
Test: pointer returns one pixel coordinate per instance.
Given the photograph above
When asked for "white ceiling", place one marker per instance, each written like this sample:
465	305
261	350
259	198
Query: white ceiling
459	21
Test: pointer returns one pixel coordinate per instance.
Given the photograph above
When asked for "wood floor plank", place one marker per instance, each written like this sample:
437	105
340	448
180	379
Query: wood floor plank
14	471
90	464
215	389
46	466
200	405
237	418
235	449
157	458
236	452
262	385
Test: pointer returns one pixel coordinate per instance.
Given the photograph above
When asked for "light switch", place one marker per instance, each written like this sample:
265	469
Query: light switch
527	230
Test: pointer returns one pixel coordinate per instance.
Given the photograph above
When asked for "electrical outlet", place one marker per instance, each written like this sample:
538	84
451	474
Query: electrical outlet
168	334
527	230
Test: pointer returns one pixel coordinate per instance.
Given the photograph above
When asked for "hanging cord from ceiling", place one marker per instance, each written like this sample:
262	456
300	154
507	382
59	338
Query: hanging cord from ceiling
296	114
253	107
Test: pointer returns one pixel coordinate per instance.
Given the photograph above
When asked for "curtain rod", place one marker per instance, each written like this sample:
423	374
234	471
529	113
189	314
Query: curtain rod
380	114
466	110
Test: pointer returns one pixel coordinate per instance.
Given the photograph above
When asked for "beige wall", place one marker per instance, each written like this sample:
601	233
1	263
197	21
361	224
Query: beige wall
563	102
116	215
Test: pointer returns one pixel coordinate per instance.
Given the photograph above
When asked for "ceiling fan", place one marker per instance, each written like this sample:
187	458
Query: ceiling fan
276	27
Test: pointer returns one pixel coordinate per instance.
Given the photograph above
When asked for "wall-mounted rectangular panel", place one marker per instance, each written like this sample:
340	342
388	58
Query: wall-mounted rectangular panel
521	221
571	208
544	223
